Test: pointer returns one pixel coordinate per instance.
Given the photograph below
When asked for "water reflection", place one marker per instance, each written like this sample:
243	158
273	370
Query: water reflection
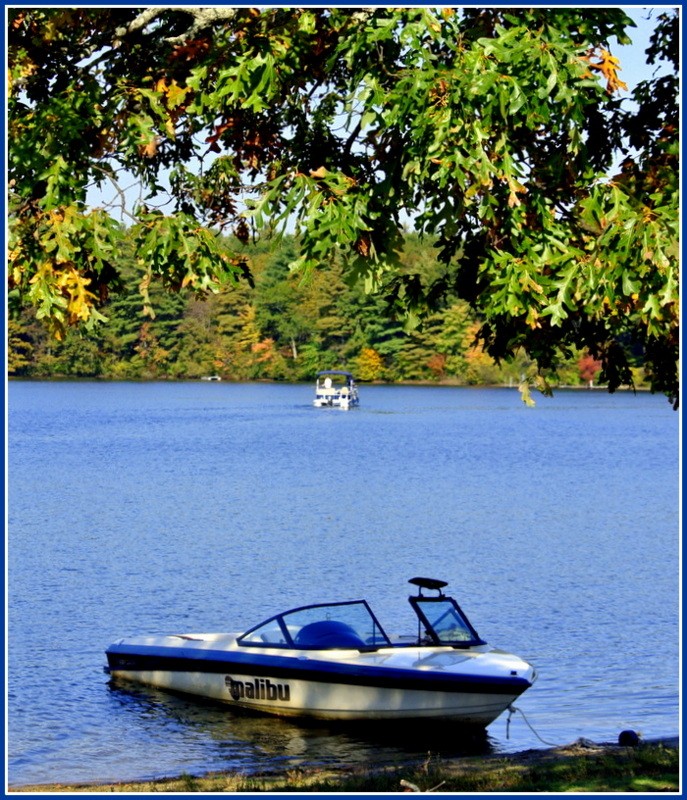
251	742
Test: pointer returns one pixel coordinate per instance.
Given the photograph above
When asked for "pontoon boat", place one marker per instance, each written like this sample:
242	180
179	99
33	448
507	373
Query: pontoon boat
337	388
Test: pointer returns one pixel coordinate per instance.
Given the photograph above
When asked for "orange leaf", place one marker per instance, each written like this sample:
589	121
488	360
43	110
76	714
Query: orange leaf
609	66
149	149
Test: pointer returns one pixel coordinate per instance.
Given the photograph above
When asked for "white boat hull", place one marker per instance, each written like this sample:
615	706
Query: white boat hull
348	685
334	402
329	701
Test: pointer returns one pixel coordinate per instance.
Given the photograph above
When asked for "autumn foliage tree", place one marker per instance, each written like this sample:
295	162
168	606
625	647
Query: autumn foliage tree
589	368
495	130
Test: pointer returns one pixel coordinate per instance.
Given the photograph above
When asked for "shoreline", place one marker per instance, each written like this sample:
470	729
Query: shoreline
652	765
448	383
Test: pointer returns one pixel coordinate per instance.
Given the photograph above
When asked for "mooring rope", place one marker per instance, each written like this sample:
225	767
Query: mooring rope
511	711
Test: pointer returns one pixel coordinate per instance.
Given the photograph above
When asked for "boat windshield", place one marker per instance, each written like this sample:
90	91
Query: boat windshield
444	621
320	627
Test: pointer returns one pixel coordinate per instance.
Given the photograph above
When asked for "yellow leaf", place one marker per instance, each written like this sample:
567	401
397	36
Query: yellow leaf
176	94
609	66
471	191
608	58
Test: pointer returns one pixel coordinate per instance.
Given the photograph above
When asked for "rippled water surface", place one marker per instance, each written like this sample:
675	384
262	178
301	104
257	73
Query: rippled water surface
144	508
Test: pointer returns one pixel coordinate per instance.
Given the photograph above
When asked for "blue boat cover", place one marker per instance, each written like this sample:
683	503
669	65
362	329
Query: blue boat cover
328	633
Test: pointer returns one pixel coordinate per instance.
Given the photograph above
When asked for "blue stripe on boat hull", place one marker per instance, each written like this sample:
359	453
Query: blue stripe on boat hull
130	658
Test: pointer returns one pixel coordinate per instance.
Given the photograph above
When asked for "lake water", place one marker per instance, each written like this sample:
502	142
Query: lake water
172	507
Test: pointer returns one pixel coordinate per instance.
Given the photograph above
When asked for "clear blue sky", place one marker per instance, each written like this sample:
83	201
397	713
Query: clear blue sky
633	57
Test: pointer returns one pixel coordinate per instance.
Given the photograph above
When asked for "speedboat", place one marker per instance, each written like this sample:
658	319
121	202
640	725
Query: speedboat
335	387
333	661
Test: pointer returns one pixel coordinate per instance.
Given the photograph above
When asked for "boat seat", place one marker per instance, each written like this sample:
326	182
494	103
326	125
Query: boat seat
328	633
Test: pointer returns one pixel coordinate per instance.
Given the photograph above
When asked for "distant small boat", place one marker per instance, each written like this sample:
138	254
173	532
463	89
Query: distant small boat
336	388
335	661
211	378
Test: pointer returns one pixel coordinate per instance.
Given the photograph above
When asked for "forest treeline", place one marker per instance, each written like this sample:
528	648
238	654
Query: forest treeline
278	326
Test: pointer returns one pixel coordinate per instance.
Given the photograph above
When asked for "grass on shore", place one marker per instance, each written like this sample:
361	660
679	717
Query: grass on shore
574	768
